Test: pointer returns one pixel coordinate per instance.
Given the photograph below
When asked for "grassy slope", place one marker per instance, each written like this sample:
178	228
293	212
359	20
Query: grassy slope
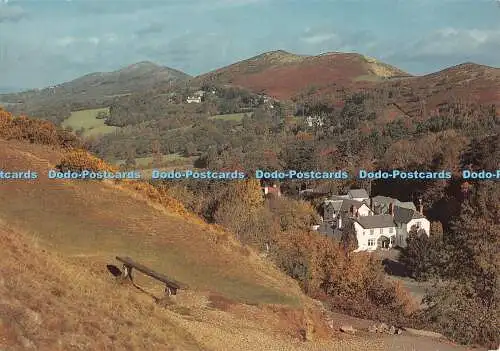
87	120
56	238
89	218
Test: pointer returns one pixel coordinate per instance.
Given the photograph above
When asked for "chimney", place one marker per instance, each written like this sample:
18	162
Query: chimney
351	211
371	204
391	209
420	207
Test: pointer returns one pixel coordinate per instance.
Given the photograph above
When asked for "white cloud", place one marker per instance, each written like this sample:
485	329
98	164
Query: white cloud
94	40
66	41
320	38
458	41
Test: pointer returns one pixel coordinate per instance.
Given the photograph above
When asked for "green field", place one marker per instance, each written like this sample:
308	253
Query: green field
235	117
87	120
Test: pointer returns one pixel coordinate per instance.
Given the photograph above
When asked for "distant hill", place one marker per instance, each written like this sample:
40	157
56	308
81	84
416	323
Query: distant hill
282	74
100	85
465	84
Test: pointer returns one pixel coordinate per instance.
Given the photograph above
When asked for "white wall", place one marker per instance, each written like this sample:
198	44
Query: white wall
403	234
365	211
423	223
364	236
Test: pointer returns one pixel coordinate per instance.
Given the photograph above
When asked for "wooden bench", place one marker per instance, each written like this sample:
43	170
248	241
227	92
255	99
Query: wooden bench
171	286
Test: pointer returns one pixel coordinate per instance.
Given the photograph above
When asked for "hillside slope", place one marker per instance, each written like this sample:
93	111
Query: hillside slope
56	238
465	84
282	75
97	86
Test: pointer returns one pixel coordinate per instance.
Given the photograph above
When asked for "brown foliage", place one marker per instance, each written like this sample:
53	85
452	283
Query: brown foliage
351	284
293	214
35	131
79	160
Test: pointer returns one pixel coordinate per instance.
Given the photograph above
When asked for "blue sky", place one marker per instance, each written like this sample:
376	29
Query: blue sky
45	42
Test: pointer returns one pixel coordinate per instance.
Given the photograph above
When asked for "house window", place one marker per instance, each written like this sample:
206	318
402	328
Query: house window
371	242
417	224
391	230
372	231
381	231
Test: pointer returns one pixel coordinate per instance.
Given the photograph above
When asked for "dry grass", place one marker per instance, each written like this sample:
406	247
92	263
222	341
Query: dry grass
86	217
52	302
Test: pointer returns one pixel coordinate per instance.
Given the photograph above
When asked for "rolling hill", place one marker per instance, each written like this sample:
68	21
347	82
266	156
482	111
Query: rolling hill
99	86
283	75
466	84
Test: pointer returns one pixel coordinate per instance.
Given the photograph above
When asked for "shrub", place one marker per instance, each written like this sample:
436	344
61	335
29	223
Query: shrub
79	160
35	131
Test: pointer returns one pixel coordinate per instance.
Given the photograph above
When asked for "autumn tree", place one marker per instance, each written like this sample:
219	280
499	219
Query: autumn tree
239	206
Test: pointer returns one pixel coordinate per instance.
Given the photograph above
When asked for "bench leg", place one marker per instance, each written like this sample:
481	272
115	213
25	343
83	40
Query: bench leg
127	272
170	291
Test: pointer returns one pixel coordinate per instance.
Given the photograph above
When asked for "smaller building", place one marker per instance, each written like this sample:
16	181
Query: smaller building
193	99
196	97
315	121
274	190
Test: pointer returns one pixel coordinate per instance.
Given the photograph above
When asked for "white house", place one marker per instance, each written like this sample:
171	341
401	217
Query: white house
314	121
388	230
376	231
196	97
379	222
193	99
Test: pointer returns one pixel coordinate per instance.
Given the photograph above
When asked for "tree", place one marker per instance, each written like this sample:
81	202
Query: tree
236	209
348	240
416	256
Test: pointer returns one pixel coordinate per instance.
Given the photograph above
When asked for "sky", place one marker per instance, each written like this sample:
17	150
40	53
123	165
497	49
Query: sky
46	42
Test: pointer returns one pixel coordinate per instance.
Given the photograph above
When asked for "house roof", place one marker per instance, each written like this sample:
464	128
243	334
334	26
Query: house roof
347	203
358	193
339	197
381	204
376	221
404	215
385	200
408	204
335	204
